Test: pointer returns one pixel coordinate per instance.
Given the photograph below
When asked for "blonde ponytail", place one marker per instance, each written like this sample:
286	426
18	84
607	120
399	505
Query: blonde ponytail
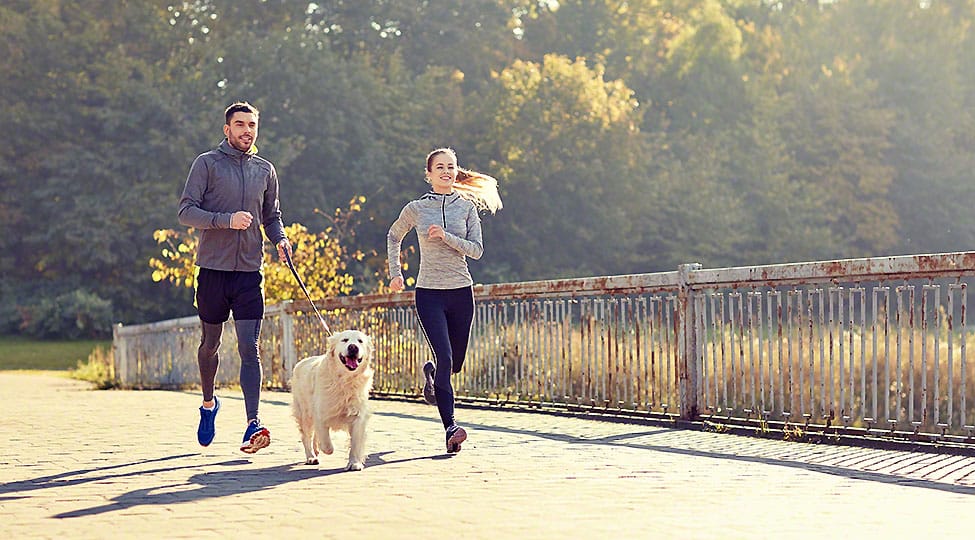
480	189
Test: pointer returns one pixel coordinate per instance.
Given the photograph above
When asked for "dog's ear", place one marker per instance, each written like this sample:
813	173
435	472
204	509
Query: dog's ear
332	341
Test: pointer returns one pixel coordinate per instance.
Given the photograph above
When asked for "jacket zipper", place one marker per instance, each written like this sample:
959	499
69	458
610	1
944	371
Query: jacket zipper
443	212
243	185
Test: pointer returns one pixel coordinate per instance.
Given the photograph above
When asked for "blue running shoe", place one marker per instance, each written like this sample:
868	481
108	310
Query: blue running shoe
429	372
207	430
256	437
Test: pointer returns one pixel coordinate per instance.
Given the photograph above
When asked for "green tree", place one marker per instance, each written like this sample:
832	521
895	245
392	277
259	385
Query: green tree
96	135
920	62
561	144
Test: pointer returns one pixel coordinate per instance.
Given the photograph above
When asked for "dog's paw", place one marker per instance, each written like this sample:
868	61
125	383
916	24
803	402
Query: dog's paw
311	461
324	447
355	466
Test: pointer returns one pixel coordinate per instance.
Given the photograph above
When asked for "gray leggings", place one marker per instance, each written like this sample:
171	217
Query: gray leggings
251	374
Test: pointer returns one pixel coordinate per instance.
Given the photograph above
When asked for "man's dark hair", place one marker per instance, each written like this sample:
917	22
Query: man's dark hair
240	106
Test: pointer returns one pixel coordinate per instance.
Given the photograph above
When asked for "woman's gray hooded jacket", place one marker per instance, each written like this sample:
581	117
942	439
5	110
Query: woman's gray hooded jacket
443	263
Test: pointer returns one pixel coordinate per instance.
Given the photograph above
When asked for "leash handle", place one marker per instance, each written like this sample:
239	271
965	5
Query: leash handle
291	266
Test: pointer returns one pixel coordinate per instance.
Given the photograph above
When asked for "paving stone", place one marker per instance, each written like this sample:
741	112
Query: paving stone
81	463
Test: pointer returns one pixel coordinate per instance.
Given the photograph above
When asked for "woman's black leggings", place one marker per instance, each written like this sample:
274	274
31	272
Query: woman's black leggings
445	317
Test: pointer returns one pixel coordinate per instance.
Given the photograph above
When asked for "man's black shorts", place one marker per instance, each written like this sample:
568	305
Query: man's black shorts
219	292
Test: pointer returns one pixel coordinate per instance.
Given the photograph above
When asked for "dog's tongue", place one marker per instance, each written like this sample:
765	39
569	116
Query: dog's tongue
352	363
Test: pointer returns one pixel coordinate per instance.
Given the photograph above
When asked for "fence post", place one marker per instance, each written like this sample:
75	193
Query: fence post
119	359
687	340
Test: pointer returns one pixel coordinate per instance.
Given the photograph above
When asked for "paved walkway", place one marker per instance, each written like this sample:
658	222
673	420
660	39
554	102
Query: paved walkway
78	463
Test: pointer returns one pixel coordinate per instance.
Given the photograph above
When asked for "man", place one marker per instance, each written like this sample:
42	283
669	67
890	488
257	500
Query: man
230	192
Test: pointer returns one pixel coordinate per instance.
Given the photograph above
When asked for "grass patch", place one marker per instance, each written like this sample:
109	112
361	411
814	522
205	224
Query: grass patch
21	353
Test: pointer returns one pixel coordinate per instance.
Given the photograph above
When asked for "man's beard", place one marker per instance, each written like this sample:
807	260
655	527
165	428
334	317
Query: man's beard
239	144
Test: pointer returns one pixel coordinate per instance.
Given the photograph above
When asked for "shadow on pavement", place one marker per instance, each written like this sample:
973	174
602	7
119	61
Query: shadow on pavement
225	483
77	477
619	441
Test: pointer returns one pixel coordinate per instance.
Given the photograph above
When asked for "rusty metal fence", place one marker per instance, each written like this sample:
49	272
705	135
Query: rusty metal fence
863	346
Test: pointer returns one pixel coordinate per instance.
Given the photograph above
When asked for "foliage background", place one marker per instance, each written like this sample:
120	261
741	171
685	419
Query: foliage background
628	136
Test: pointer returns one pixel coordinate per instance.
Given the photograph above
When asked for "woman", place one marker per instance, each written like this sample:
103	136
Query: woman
449	231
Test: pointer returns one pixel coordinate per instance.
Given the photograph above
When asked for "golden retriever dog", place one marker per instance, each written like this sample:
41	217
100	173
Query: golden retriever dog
331	393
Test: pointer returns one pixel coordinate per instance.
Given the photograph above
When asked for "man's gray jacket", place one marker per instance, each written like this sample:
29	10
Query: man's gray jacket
221	182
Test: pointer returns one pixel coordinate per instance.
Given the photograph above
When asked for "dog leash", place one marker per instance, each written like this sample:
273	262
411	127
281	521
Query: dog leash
291	266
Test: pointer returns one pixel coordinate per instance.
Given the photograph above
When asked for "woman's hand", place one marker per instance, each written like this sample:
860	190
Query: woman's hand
396	284
435	231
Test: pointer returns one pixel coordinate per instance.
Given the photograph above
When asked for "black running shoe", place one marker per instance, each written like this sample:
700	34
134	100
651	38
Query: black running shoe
429	372
455	436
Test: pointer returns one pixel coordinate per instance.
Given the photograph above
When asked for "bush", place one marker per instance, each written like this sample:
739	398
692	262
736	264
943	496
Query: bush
75	315
9	309
99	369
10	318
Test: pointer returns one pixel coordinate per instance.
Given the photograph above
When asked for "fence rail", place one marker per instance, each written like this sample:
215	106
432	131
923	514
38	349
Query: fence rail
872	346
